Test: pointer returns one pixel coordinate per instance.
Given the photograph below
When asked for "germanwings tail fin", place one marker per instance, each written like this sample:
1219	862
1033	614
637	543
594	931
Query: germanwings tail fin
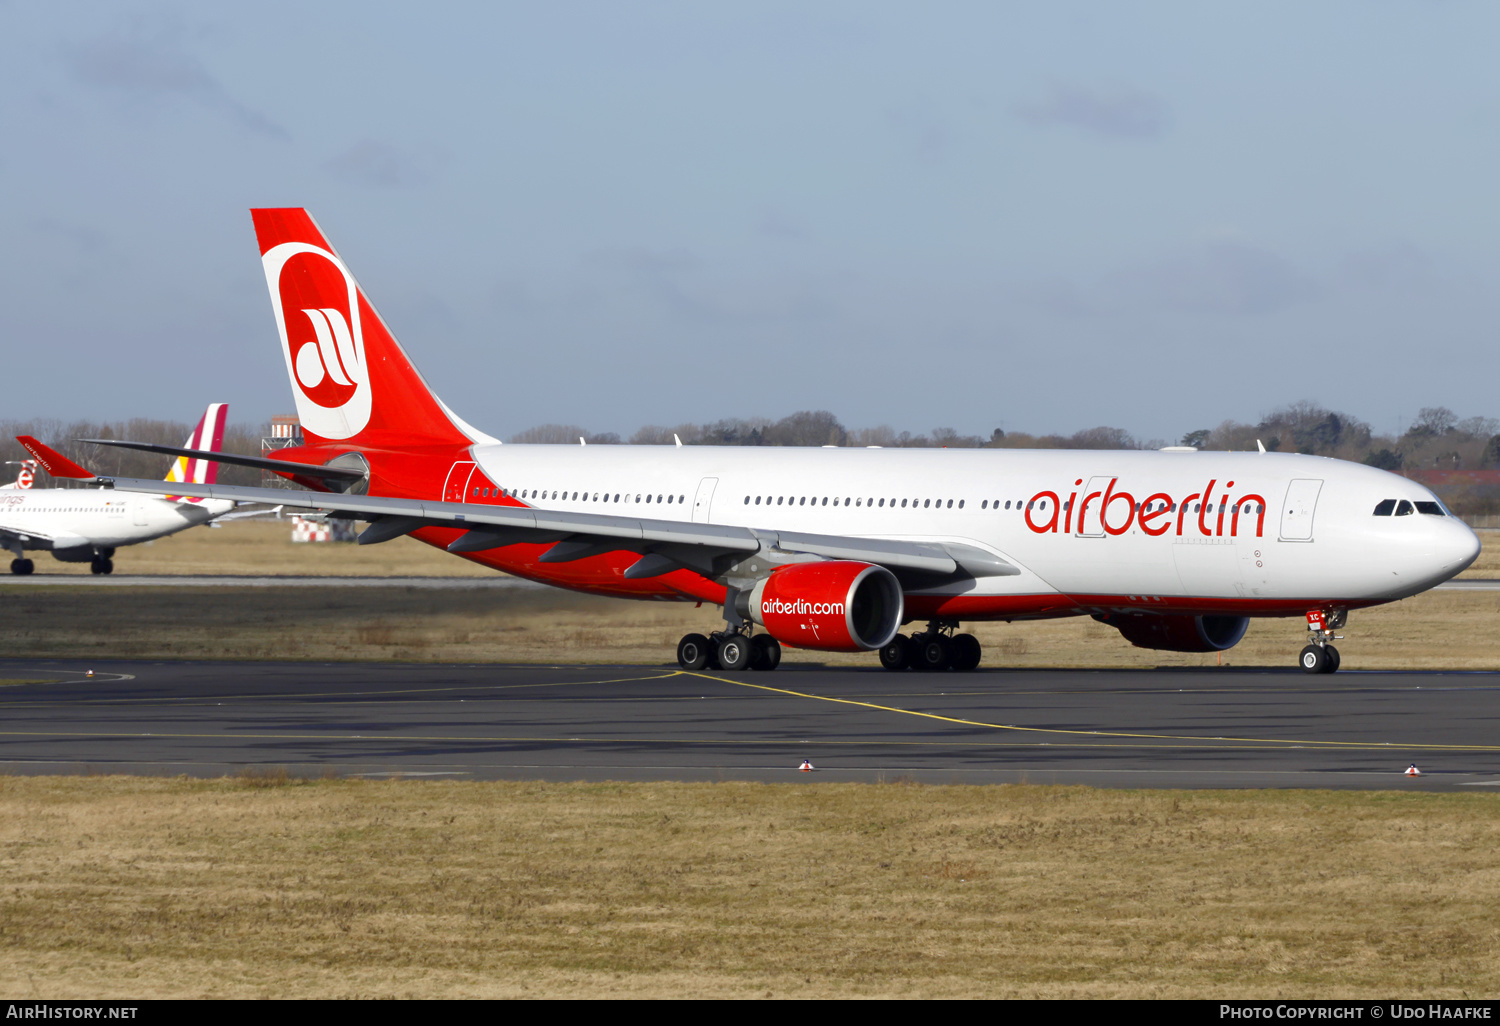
208	435
351	379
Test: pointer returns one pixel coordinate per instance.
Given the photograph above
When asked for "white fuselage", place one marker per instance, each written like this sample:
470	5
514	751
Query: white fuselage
1276	532
76	520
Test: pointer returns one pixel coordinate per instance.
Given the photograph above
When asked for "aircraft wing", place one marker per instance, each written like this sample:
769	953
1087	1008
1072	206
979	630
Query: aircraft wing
54	539
664	545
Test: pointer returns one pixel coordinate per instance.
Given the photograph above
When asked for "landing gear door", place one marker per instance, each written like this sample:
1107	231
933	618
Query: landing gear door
1088	517
1297	511
704	500
458	481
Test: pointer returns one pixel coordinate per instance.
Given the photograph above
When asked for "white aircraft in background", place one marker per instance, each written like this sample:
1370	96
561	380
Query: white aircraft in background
86	525
834	549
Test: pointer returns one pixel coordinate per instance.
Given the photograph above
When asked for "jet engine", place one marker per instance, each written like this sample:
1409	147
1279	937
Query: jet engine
835	606
1178	633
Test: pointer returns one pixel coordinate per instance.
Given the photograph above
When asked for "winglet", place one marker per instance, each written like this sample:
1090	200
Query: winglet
54	462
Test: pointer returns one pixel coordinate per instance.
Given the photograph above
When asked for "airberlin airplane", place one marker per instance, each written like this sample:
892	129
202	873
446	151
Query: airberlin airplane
835	549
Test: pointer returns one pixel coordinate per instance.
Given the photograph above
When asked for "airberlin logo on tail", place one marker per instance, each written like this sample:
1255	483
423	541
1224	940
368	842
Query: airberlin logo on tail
317	312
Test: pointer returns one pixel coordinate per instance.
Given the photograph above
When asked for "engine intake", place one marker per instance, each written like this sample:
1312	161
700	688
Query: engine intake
1178	633
834	606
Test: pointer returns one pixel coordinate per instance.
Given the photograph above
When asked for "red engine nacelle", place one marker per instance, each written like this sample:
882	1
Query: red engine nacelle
1179	633
837	606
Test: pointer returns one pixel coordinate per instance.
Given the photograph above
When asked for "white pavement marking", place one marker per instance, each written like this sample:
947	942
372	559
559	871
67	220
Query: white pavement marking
1470	584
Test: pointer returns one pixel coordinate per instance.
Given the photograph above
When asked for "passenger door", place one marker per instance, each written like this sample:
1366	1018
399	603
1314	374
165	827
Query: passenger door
458	480
1088	520
704	500
1298	509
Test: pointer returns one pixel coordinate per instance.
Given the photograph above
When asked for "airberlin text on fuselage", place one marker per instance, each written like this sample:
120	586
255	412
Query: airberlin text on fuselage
801	607
1155	515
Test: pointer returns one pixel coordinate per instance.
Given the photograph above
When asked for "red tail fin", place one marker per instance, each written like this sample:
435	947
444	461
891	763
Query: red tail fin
351	379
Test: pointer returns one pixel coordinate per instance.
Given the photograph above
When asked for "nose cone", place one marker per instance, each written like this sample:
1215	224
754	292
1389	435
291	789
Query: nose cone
1458	549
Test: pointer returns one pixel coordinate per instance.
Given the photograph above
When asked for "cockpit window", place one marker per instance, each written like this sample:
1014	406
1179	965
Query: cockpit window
1431	509
1385	507
1404	509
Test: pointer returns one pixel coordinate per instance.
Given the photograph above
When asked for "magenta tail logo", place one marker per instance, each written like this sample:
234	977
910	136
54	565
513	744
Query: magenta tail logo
317	308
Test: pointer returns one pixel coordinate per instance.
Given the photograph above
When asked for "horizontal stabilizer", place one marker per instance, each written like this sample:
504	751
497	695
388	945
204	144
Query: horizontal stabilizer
259	462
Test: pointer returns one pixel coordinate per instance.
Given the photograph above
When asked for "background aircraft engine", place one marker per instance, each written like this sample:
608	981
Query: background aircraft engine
1179	633
835	606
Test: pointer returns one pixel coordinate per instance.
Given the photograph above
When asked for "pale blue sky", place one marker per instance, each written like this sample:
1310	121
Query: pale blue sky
1046	217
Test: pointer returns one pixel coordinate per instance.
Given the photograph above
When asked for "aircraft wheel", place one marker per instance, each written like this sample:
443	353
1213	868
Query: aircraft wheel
895	655
109	566
765	652
734	652
1333	659
966	652
692	652
19	567
96	565
933	653
27	566
1313	659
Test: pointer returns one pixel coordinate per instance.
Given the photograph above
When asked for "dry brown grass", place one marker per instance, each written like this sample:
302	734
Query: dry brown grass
248	547
1439	630
125	887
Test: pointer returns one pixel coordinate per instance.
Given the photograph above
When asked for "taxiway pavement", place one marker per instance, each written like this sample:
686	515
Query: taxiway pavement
1144	728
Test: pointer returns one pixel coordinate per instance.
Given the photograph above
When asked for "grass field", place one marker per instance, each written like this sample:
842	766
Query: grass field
263	887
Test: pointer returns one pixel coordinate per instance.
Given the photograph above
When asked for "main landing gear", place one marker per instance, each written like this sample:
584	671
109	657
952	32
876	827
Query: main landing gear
1319	656
102	565
733	649
936	648
21	567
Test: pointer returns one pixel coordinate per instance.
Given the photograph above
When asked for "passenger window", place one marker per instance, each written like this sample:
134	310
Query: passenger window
825	500
802	501
960	504
1404	509
1432	509
779	500
1385	507
747	500
903	503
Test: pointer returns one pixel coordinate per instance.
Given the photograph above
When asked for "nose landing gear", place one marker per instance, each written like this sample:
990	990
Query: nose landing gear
1319	656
